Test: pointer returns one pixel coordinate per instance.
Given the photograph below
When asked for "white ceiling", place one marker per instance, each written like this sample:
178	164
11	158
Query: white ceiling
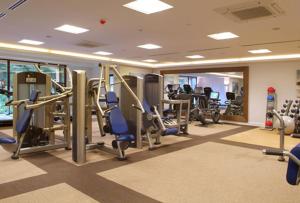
180	31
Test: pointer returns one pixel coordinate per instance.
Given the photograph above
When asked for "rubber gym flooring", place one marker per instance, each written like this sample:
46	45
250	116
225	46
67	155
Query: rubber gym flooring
218	163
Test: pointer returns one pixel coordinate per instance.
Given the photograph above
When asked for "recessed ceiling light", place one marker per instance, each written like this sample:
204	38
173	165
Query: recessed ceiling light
223	36
148	6
104	53
150	61
195	57
260	51
31	42
71	29
149	46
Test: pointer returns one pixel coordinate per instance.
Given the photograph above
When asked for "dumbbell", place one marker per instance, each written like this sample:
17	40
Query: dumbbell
269	115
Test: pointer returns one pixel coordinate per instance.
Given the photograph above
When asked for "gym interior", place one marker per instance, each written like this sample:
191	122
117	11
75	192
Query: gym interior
149	101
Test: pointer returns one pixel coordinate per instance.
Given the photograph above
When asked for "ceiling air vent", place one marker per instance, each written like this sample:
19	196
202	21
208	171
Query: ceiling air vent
2	15
164	54
210	49
16	4
251	10
89	44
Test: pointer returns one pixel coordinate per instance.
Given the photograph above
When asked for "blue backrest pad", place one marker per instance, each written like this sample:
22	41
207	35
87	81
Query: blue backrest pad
118	122
146	106
24	121
34	96
111	98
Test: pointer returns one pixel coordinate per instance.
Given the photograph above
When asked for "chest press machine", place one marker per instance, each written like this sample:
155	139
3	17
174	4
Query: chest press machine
33	126
87	96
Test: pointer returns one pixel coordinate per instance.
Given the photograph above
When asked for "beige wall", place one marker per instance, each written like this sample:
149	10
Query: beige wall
281	76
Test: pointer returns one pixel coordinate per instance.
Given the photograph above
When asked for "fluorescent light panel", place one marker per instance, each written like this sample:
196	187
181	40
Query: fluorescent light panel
149	46
223	36
195	57
31	42
148	6
150	61
71	29
260	51
103	53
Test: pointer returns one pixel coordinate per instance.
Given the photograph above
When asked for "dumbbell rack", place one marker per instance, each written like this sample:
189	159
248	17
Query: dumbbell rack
295	114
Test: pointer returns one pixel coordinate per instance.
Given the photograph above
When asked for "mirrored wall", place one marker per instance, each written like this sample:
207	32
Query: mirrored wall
228	86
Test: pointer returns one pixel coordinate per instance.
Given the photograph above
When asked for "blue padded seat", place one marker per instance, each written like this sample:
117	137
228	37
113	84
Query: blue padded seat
7	140
119	125
126	138
170	131
293	169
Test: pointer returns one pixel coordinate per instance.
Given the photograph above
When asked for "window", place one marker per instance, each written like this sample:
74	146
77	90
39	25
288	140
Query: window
111	82
183	80
193	82
18	67
4	110
57	73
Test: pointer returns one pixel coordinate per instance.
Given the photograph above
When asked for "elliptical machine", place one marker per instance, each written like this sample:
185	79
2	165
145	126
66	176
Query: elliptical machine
234	104
209	104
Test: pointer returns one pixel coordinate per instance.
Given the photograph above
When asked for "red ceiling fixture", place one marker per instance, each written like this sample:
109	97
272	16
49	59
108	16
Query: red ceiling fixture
102	21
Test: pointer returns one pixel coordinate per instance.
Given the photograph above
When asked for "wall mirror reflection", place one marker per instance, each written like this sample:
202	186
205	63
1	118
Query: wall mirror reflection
222	93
